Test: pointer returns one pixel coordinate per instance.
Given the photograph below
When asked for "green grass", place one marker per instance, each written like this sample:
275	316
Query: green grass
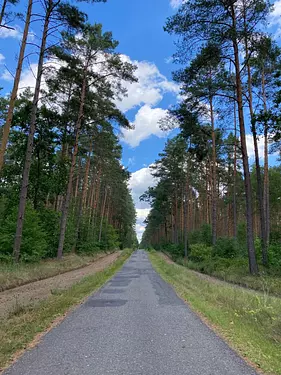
13	275
249	321
20	329
237	271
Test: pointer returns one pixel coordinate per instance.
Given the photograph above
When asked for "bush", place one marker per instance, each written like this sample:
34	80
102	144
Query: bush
226	248
200	252
176	251
274	254
50	220
242	238
206	234
194	237
34	244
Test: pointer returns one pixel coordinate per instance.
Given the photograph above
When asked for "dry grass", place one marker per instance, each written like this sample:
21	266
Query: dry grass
13	275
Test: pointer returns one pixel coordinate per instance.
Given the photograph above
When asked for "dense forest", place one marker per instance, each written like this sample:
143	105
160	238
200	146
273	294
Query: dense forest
210	204
62	184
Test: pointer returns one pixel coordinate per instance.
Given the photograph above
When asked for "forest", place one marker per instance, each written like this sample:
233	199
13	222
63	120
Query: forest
214	208
63	188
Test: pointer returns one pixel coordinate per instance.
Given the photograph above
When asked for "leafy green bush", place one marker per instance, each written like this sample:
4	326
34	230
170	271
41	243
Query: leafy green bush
202	235
200	252
50	220
194	237
274	254
242	238
34	243
206	234
226	247
176	251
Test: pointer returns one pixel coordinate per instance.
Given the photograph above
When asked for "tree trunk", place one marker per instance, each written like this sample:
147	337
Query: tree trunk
253	266
235	176
257	160
186	247
266	174
8	122
214	176
29	149
72	167
102	213
84	192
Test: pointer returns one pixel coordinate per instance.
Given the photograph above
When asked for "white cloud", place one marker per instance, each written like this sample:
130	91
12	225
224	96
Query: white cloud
11	33
15	33
176	3
2	58
150	88
146	123
251	149
139	183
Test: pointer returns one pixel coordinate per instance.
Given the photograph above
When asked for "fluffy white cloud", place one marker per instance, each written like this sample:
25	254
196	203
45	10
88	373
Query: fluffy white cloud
146	123
150	88
2	58
139	183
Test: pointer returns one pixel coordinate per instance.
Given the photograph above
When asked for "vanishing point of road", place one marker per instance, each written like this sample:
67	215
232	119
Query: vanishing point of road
134	325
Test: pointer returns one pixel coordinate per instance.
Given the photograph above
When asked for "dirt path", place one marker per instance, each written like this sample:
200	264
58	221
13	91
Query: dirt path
32	293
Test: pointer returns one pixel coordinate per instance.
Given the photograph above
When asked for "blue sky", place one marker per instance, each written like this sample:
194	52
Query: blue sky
138	26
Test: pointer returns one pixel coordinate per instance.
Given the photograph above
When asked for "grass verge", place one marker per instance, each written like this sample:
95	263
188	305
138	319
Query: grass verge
250	322
236	271
20	329
13	275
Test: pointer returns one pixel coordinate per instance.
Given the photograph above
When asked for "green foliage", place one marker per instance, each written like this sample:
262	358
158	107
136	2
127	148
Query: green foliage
206	234
274	255
34	242
242	237
202	235
200	252
226	248
50	222
176	251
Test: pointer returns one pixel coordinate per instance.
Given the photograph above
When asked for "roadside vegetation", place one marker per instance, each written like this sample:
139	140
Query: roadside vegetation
19	330
227	260
249	321
13	275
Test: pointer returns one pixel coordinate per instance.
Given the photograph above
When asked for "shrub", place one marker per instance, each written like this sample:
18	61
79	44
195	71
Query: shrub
200	252
206	234
194	237
274	254
242	238
176	251
226	247
50	220
34	244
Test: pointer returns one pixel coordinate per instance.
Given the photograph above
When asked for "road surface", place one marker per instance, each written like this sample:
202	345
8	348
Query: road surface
135	325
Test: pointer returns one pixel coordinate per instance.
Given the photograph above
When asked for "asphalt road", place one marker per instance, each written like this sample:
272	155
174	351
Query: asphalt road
135	325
